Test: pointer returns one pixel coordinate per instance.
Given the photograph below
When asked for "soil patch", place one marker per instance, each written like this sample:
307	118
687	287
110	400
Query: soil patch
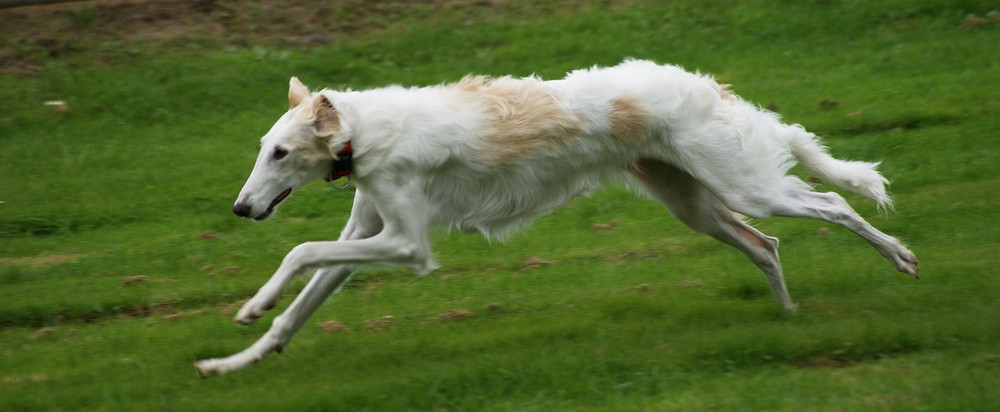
32	35
41	261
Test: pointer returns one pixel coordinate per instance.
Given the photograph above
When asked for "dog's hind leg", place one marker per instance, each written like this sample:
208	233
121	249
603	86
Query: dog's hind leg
743	157
832	208
790	197
363	223
690	202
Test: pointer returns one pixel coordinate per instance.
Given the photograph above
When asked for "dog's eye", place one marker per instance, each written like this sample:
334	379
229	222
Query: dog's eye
279	153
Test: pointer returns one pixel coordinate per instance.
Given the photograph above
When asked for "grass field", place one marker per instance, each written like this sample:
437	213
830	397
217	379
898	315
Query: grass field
121	263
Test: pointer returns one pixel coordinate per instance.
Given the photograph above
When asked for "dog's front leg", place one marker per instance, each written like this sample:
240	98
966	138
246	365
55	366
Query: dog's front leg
340	256
284	327
402	241
363	223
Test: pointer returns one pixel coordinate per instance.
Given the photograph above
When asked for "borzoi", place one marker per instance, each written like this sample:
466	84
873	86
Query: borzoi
492	154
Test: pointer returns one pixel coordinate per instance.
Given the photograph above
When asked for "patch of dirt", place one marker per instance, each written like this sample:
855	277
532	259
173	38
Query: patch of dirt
131	280
332	326
973	21
181	315
42	333
534	262
37	33
456	314
837	362
232	308
631	255
612	225
35	262
31	35
377	324
22	379
693	283
822	362
137	311
167	310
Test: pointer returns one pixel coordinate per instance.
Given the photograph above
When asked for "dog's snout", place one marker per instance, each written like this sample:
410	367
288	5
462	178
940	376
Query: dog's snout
242	209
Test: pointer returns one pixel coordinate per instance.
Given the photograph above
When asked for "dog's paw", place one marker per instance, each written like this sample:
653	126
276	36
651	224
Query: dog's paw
251	311
205	368
210	367
906	262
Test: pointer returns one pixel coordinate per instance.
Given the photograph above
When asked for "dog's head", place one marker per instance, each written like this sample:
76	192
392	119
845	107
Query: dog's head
299	148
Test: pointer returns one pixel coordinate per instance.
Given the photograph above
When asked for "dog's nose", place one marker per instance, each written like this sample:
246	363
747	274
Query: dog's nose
242	209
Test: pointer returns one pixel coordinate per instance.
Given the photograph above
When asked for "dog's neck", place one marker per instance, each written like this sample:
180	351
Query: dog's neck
342	164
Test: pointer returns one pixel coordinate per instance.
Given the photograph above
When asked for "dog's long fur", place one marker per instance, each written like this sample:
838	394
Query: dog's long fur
492	154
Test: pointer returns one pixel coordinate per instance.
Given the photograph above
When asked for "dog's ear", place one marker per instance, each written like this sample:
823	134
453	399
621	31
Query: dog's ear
297	92
325	116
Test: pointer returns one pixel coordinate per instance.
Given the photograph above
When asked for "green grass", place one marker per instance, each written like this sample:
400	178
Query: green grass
138	179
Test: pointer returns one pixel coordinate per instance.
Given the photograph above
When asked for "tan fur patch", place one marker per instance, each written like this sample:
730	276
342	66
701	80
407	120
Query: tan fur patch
321	116
525	118
725	92
628	119
750	236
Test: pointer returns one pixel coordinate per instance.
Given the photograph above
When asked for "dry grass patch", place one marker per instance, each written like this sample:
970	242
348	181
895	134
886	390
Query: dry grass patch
35	262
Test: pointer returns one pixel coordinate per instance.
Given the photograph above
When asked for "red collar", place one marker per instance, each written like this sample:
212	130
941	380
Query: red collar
342	164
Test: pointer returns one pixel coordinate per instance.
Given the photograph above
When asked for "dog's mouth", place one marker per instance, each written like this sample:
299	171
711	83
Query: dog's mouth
274	203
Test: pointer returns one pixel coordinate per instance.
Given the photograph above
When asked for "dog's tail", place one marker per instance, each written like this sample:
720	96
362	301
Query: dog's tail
858	177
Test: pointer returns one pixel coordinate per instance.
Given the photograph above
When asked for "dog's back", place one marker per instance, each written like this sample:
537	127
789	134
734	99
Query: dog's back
504	151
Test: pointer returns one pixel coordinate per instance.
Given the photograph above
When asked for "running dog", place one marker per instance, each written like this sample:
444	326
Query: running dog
492	154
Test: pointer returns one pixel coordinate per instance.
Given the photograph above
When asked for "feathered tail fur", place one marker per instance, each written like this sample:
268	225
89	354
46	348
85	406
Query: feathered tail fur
858	177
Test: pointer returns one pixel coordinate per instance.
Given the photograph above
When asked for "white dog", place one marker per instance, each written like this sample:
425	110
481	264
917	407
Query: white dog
491	155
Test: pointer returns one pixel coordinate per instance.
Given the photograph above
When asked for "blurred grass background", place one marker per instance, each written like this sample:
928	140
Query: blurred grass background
120	262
